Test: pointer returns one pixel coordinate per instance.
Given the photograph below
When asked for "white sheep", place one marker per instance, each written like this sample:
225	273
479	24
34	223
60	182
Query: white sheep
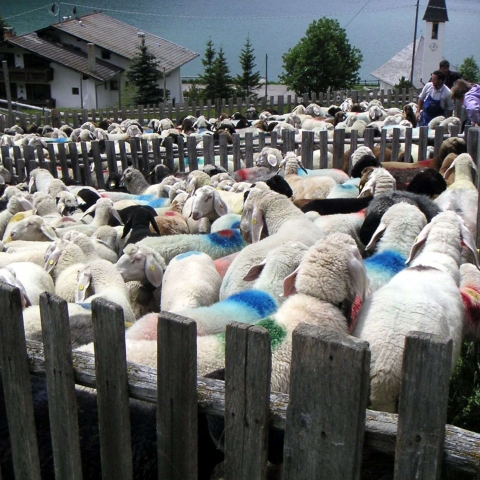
40	179
380	180
463	166
305	187
265	210
424	297
191	280
33	228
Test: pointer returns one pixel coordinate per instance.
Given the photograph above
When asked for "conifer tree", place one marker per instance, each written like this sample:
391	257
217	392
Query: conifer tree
144	73
208	77
469	70
223	79
248	80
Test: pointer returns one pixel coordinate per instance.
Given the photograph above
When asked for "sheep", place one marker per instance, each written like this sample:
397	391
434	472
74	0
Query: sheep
266	210
376	181
138	226
191	280
33	278
216	244
100	278
379	205
330	206
305	187
226	222
338	263
16	203
423	297
67	203
470	291
33	228
136	183
279	263
429	182
248	306
463	166
40	179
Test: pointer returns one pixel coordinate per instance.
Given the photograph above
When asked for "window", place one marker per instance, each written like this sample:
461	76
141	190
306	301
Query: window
32	61
37	91
75	91
113	84
105	54
435	31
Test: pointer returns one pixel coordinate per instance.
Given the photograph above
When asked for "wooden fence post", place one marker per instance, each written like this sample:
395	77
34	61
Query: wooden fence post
112	390
338	148
324	430
247	401
16	386
62	402
177	409
422	411
308	138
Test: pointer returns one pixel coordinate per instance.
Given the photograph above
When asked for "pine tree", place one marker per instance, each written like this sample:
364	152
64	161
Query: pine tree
3	24
248	80
145	74
208	78
223	79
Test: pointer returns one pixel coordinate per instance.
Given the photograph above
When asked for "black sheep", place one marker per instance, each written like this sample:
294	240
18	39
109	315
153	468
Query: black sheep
139	223
278	184
429	182
364	162
331	206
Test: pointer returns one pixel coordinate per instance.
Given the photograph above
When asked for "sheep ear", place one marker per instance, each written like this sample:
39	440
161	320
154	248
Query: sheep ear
115	214
31	184
420	240
449	170
89	210
127	227
52	259
219	204
256	225
84	279
289	284
154	224
25	203
48	231
376	235
365	190
254	272
272	159
191	187
358	276
469	242
153	270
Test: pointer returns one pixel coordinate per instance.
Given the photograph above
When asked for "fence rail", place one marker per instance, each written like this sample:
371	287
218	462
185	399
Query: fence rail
324	420
176	112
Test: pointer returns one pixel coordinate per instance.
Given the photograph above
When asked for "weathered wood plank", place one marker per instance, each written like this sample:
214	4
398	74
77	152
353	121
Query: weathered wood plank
87	174
308	138
247	398
62	403
320	417
223	151
323	138
248	149
427	364
461	446
112	390
16	386
422	143
338	148
236	152
208	152
192	153
177	412
97	161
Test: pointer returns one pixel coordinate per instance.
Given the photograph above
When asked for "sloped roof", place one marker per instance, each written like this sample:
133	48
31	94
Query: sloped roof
121	38
73	59
436	11
400	66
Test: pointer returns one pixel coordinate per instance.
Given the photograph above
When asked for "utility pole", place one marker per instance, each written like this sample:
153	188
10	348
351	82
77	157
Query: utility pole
266	74
8	92
414	42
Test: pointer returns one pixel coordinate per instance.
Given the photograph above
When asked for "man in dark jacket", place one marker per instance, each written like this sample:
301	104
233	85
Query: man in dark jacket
450	77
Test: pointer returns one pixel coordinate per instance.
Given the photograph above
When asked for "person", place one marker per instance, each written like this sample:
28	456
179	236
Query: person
434	100
450	77
469	94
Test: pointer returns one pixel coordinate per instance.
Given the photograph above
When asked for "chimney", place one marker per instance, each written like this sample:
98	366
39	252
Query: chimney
91	57
8	33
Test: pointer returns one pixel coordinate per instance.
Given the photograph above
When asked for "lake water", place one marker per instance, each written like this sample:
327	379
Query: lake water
379	28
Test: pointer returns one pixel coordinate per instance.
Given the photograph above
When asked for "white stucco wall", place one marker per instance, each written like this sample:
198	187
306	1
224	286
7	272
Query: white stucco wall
432	57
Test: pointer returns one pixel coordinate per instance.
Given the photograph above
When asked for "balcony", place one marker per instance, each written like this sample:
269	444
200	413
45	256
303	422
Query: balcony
31	75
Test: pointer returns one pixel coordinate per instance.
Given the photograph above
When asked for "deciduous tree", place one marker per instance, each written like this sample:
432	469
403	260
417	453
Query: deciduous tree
321	60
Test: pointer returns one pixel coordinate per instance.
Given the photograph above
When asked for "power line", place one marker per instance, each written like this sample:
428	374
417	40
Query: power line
355	16
25	13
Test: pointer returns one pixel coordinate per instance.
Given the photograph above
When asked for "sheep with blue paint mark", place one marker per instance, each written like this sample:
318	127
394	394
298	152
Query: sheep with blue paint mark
217	245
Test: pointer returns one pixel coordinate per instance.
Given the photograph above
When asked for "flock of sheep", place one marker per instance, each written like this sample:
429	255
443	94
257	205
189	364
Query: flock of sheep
268	245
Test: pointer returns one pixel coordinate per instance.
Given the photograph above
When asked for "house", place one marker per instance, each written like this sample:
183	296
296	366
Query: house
82	62
427	55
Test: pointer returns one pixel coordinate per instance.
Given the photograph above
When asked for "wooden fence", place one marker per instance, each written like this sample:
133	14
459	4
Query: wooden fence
324	419
177	111
87	163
